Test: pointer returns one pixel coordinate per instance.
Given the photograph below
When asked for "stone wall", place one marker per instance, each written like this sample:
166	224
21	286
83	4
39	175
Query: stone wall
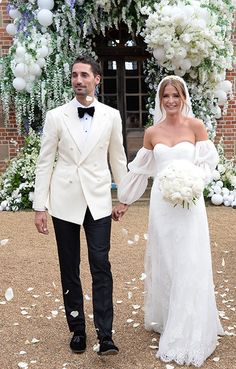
9	136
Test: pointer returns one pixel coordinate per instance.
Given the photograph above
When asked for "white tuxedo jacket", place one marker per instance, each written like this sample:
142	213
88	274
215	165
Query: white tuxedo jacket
80	178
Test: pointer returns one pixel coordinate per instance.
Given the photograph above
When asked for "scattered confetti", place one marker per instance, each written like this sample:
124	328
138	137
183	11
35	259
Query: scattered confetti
30	289
143	276
22	352
3	302
34	340
135	325
168	366
96	347
119	301
87	297
129	320
9	294
223	262
24	312
74	314
130	295
54	312
216	359
23	365
130	242
136	238
3	242
90	316
153	347
35	296
135	307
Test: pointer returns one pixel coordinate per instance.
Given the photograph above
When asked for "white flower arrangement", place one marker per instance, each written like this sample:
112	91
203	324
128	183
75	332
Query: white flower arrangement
181	183
222	189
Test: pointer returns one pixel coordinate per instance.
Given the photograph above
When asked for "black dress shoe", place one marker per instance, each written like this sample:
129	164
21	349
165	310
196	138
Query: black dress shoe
78	343
107	347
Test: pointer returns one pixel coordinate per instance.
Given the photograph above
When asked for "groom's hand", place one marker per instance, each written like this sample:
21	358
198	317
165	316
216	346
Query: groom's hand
118	211
41	222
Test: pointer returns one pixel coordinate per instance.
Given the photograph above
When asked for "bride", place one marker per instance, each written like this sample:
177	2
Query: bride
179	290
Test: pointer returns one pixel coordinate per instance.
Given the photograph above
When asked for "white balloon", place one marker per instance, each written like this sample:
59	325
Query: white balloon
41	62
217	189
35	69
46	4
233	204
19	83
227	203
20	70
43	51
45	17
217	112
215	175
11	29
217	199
20	51
14	13
219	183
221	96
225	191
226	86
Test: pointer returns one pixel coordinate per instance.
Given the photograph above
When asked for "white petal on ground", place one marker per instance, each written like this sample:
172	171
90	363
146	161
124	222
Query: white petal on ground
135	325
145	236
223	262
90	316
124	231
130	242
22	352
154	339
24	312
30	289
119	301
230	328
96	347
15	323
153	347
54	284
34	340
130	295
57	300
9	294
136	237
129	320
74	313
87	297
134	312
3	302
35	296
23	365
54	312
3	242
216	359
135	307
33	361
143	276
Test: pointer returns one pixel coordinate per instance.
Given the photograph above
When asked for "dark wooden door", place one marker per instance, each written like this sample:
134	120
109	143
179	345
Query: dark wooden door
123	85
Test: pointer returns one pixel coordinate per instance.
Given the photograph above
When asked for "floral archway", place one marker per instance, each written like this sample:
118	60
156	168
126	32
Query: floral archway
188	38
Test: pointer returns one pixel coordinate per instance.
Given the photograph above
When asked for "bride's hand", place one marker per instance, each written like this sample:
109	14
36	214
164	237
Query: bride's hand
118	211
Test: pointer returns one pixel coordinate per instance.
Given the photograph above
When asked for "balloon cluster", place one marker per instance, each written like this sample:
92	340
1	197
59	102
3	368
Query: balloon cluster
26	67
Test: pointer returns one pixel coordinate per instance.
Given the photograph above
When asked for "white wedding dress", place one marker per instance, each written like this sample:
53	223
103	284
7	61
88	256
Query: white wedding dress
179	291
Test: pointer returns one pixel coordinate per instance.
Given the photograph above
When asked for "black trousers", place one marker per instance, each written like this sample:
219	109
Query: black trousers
98	241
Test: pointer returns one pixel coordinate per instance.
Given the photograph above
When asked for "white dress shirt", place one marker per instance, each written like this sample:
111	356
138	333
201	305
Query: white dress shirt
87	120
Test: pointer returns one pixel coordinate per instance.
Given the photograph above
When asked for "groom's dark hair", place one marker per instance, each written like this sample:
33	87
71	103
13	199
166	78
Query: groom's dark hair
87	59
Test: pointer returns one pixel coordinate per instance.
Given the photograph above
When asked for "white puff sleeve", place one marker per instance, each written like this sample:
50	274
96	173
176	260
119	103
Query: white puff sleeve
207	158
133	185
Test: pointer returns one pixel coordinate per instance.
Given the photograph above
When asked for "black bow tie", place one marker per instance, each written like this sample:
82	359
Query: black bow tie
82	111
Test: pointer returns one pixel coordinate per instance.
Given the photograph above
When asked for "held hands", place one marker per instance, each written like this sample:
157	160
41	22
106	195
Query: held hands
41	222
118	211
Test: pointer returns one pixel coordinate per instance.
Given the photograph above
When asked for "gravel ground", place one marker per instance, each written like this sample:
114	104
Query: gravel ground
33	328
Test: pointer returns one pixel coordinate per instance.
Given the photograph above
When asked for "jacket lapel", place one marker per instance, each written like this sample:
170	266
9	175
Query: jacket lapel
73	124
99	124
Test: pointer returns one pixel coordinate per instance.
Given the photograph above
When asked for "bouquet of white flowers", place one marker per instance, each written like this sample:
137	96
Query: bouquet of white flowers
181	182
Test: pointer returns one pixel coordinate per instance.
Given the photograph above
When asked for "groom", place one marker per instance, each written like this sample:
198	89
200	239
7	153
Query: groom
76	191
